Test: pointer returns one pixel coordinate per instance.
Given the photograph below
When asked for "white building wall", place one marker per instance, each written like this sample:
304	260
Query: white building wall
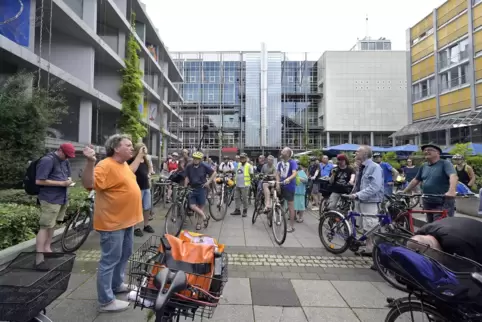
364	91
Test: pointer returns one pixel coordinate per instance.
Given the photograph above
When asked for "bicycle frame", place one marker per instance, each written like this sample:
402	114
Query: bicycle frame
383	220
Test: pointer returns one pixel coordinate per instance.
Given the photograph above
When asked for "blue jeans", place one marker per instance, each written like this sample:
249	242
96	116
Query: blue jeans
116	248
448	204
388	190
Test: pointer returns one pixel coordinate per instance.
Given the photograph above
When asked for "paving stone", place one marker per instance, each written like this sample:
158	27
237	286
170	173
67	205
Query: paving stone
225	313
370	315
128	315
328	277
309	276
75	281
232	273
86	291
274	275
327	314
237	291
75	311
255	274
279	314
388	290
273	292
360	294
317	293
291	275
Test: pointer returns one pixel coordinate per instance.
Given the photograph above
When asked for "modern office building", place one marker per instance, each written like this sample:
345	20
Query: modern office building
83	44
444	70
256	102
364	95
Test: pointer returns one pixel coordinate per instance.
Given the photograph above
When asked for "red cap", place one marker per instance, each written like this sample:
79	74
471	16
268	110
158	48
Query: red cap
342	157
68	149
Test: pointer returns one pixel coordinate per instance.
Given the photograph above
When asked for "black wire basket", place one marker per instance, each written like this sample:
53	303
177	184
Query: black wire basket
25	291
188	303
454	282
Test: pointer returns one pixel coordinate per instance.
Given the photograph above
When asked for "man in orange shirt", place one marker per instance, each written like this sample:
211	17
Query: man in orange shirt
117	209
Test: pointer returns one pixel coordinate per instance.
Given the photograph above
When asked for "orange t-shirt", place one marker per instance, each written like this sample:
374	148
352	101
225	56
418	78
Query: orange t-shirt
118	201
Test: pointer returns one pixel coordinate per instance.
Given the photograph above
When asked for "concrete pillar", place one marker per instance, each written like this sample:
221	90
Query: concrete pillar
327	139
121	44
447	137
350	138
141	31
85	121
409	78
89	14
31	41
154	144
471	75
122	5
435	44
372	139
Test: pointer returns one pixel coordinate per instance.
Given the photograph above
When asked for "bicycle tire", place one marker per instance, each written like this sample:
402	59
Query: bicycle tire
332	215
180	216
255	211
157	195
414	306
73	220
404	223
381	270
222	212
281	215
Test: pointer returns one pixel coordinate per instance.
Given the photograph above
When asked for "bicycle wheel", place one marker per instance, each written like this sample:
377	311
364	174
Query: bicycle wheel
335	223
77	230
417	311
217	206
256	210
157	194
386	274
279	225
175	216
404	223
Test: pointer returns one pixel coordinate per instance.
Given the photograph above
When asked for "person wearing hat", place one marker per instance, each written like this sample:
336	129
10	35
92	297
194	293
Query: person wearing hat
242	179
439	178
389	173
53	176
465	173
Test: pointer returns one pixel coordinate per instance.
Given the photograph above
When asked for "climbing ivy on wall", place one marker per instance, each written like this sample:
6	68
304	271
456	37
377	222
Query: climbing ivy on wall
131	90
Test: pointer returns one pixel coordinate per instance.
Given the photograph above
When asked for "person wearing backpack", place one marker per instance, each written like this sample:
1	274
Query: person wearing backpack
52	176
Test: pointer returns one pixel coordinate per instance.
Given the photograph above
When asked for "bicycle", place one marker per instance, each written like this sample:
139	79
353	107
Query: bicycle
226	197
343	205
168	292
336	220
180	210
26	292
276	212
79	226
159	192
451	294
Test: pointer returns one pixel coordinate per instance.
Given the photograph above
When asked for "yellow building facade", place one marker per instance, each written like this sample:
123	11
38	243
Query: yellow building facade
445	74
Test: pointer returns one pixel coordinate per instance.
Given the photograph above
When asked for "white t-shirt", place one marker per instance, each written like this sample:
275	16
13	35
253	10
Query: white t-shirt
225	167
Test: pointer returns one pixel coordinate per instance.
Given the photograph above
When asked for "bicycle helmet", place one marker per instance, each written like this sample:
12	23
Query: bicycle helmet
243	155
377	154
198	155
457	157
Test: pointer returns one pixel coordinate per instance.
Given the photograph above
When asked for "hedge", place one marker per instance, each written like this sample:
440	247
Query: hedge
19	214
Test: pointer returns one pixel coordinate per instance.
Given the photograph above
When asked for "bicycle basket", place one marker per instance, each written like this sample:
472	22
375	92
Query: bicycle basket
26	291
189	303
444	276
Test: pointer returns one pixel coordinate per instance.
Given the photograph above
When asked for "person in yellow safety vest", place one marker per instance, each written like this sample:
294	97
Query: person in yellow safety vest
242	178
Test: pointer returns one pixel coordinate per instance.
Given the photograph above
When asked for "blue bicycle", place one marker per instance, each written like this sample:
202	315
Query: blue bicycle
338	225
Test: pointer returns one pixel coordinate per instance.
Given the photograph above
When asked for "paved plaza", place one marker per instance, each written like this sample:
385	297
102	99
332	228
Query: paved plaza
299	281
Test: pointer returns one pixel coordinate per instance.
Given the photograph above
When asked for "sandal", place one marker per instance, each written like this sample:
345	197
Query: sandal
299	220
198	227
206	221
290	229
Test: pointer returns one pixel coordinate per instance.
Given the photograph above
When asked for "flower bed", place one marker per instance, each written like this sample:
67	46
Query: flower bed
19	214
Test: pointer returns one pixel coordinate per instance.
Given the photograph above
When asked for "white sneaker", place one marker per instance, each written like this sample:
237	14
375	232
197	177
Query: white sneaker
115	306
125	288
315	208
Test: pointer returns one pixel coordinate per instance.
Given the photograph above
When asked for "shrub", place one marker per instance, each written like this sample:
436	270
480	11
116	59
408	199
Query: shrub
17	196
392	159
18	223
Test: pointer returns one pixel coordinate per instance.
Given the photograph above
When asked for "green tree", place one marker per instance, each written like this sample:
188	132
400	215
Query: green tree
304	160
462	149
392	159
25	114
131	90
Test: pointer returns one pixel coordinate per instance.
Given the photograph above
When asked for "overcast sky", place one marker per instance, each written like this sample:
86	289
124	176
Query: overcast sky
285	25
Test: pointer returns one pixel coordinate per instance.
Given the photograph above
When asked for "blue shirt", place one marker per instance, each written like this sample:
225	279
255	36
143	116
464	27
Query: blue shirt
198	175
285	170
436	177
369	187
325	169
387	172
51	167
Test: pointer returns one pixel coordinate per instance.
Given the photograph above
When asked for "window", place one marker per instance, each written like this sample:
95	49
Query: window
387	46
192	122
190	97
454	77
212	79
454	54
192	79
231	79
364	46
474	2
291	79
211	96
422	89
371	46
379	45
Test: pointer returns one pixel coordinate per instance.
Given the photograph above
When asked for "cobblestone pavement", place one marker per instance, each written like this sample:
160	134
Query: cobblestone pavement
299	281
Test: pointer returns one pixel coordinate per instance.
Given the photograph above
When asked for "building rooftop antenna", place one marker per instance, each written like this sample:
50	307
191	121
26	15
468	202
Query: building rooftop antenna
367	36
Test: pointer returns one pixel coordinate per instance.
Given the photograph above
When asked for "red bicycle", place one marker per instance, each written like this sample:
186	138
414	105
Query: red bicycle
401	207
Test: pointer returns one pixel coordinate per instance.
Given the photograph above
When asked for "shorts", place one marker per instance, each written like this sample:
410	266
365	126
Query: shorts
146	199
316	188
51	213
198	197
288	195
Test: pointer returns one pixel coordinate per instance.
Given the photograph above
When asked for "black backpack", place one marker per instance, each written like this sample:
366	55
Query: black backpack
29	185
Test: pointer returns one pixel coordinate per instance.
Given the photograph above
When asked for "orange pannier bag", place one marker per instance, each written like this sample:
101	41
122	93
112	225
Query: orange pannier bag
189	254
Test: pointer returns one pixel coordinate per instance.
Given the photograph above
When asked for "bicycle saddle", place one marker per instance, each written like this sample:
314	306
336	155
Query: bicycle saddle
177	282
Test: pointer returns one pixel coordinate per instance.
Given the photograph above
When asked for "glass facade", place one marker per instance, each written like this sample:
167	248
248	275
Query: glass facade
225	91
